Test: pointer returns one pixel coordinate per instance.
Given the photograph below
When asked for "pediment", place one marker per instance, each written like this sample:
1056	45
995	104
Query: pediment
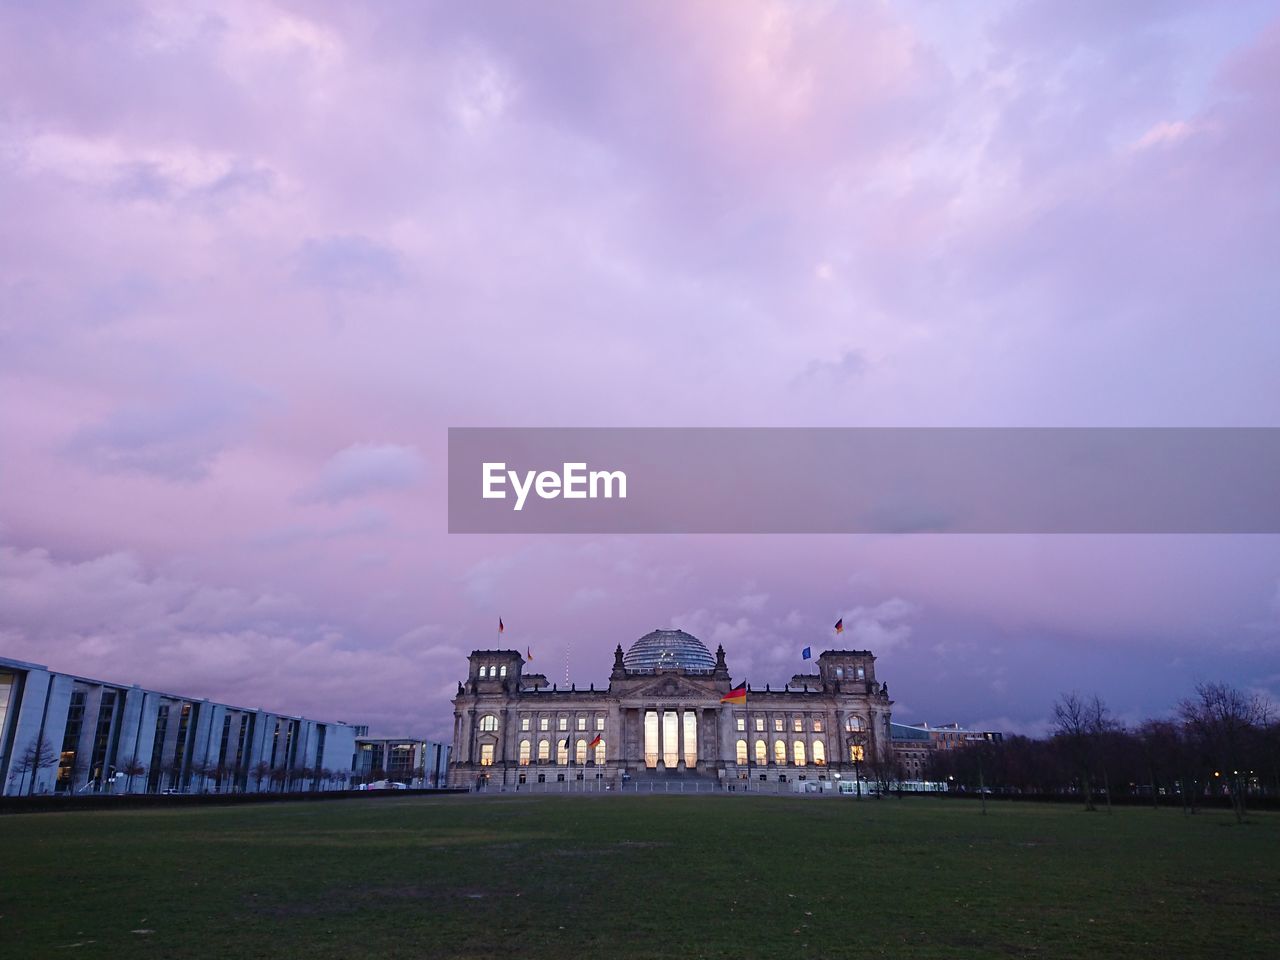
669	687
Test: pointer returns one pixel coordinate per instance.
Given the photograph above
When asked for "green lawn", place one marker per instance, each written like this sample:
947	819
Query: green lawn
616	877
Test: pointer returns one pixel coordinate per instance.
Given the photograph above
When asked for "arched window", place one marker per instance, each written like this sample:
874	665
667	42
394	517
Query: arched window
544	750
562	752
600	752
742	752
854	724
488	723
502	671
524	753
819	753
580	754
484	671
798	751
779	753
762	753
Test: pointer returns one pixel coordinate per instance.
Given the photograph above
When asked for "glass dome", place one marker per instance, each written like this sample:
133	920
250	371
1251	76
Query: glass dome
668	650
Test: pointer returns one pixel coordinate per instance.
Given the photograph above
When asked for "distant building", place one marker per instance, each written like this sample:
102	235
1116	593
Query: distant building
915	743
662	716
61	733
415	763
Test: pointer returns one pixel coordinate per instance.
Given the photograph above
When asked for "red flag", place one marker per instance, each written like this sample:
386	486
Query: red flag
737	695
595	742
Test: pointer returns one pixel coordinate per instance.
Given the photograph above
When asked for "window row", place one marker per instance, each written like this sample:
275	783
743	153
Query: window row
493	671
853	724
562	723
596	749
799	753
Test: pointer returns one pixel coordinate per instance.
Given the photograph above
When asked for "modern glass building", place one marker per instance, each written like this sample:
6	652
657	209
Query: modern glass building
61	733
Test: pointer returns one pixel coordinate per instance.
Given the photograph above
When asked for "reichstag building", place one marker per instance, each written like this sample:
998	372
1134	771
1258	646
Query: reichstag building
670	710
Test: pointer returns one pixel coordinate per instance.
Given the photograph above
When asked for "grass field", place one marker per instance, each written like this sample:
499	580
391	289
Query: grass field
622	877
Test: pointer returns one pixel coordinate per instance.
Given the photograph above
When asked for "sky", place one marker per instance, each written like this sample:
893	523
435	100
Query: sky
257	257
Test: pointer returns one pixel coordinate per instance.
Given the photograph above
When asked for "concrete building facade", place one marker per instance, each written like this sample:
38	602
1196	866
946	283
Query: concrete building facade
61	733
419	764
662	714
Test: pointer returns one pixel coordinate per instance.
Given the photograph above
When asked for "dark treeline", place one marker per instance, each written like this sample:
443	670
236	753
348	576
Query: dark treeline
1221	742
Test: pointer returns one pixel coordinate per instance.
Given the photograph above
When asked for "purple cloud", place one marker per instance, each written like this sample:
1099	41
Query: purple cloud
240	237
365	468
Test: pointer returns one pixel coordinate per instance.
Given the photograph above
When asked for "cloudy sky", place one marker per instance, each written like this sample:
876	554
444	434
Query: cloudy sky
256	259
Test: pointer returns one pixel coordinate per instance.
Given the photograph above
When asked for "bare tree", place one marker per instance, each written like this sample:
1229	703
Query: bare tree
1074	728
260	770
1225	723
132	767
1102	727
38	756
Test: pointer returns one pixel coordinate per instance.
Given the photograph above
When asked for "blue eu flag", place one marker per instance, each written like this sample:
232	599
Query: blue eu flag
807	653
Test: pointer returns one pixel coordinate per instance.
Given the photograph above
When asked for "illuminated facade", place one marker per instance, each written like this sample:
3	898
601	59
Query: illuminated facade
661	716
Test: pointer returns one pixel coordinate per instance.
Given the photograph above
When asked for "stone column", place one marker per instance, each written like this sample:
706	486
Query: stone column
662	738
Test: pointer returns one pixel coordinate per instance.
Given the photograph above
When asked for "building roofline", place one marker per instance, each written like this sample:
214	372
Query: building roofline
95	681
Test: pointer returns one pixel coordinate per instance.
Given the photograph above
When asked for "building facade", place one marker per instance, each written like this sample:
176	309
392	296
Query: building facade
61	733
419	764
915	744
662	715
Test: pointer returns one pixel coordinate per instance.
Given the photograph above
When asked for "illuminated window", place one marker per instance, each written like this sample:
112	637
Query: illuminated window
542	723
525	750
486	754
670	738
760	724
777	724
798	752
600	751
544	750
488	723
580	754
599	723
484	672
817	724
819	753
690	738
797	725
564	723
582	723
524	723
651	738
779	753
855	753
854	724
562	752
762	753
503	671
742	724
742	752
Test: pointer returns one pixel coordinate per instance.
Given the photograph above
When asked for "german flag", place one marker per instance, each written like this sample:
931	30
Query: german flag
737	695
595	742
840	625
